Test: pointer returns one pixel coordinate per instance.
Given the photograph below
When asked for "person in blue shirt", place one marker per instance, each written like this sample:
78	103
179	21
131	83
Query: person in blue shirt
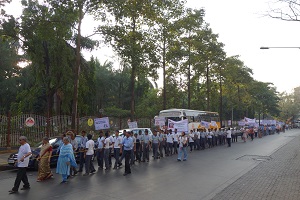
128	145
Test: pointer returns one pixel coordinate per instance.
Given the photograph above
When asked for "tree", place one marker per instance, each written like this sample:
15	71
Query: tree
128	36
287	10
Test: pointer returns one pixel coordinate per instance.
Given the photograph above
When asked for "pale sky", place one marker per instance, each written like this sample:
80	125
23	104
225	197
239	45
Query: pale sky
243	29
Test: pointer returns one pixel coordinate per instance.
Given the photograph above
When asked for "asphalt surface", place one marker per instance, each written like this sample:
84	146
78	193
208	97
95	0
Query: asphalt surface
205	174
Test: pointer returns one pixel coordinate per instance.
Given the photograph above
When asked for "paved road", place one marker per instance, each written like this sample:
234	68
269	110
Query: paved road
205	174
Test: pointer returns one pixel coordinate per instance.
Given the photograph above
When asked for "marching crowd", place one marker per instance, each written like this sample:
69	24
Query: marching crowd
133	147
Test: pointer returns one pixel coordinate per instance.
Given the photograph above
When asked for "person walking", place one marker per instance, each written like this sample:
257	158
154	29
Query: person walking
123	155
100	150
175	141
22	164
146	146
155	144
44	171
74	144
191	140
162	141
128	145
209	138
183	142
117	148
89	153
107	143
169	138
82	151
228	136
66	159
138	152
133	150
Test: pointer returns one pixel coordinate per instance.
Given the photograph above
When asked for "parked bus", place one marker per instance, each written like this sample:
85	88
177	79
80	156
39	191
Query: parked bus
194	117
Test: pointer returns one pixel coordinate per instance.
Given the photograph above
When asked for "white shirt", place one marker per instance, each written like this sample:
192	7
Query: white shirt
90	147
117	141
209	135
229	134
107	142
182	140
169	138
100	142
112	140
74	143
175	136
23	150
191	136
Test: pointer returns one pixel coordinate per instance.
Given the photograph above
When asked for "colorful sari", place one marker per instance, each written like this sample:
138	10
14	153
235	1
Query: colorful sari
44	171
65	160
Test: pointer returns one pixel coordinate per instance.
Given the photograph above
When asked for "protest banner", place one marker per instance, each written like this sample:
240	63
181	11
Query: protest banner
181	126
101	123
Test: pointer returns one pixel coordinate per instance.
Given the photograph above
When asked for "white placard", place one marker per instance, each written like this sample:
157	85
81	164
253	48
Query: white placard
101	123
132	125
160	121
181	126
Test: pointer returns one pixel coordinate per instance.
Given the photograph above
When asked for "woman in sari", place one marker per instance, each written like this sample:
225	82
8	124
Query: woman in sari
44	171
66	159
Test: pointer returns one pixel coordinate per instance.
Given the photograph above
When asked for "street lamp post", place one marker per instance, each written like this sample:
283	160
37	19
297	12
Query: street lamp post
279	47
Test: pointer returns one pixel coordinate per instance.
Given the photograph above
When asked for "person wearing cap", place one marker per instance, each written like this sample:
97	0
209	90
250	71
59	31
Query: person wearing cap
183	142
155	144
128	145
117	148
146	146
228	136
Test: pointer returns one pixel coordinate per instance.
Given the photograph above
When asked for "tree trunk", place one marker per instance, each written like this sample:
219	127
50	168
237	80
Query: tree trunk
207	88
133	70
77	69
189	75
221	98
164	72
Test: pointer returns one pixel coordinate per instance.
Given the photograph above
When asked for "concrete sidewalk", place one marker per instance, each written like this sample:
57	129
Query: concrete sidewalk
278	177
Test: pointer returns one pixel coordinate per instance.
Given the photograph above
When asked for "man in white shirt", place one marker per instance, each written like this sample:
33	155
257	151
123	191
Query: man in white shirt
191	140
22	163
89	153
100	150
117	148
169	143
229	137
107	144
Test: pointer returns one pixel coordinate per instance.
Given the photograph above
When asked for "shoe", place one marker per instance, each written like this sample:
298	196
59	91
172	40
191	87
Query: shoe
63	182
75	173
12	191
125	174
79	171
25	188
184	159
178	160
120	164
93	171
86	174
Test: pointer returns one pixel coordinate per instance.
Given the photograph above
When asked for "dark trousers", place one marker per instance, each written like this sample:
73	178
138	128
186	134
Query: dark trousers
116	155
202	143
175	146
122	156
229	142
127	154
251	135
106	158
81	160
161	147
89	165
145	152
100	157
155	150
197	144
209	142
138	152
191	146
169	148
132	157
21	176
109	157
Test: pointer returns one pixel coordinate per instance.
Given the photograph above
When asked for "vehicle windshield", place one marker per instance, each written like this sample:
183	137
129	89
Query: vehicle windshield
51	141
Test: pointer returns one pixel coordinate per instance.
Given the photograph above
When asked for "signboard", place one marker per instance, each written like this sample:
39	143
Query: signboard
29	122
132	125
101	123
241	123
181	126
90	122
159	121
229	122
214	123
250	121
205	124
